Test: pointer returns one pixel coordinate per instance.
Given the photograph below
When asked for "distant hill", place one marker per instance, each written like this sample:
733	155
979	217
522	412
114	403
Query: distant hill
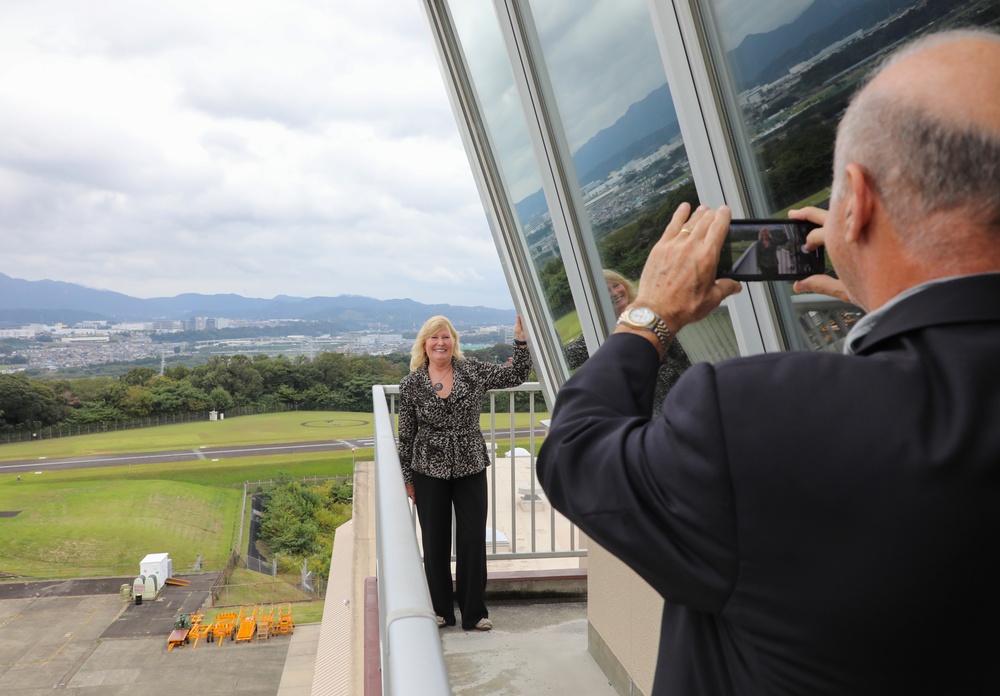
763	58
50	301
645	126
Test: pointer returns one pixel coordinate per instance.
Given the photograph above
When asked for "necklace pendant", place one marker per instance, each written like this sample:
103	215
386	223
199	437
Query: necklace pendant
438	386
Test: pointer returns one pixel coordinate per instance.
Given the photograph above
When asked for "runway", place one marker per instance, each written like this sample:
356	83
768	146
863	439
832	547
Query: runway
194	454
185	455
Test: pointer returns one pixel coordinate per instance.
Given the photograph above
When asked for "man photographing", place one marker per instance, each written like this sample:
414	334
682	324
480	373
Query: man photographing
821	523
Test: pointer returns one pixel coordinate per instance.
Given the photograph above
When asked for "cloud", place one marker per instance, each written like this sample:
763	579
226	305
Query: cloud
738	18
271	147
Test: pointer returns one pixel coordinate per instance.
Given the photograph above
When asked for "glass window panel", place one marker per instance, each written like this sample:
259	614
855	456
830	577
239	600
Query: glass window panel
789	70
497	96
612	95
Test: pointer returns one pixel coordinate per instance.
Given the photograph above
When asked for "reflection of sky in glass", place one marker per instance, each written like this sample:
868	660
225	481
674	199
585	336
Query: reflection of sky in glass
604	54
476	23
738	18
603	51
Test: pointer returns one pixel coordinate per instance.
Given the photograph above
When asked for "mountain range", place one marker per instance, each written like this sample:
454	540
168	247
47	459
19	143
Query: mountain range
763	58
51	301
759	59
645	126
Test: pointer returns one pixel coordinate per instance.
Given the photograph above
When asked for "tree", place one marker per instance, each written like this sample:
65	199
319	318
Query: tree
320	397
287	395
220	400
173	396
138	377
28	401
236	374
178	372
329	369
288	525
95	412
138	402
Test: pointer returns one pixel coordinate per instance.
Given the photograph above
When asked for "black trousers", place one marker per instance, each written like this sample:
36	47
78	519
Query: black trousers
435	500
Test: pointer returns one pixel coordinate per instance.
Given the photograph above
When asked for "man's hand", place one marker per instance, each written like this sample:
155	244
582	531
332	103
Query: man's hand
823	284
678	281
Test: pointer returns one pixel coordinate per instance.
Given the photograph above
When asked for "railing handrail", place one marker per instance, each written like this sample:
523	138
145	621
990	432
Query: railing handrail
406	616
525	387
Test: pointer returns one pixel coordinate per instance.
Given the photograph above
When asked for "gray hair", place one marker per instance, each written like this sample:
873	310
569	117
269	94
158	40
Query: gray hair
919	163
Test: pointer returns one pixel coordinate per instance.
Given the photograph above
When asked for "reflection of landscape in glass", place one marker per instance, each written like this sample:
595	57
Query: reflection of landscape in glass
618	115
496	94
794	81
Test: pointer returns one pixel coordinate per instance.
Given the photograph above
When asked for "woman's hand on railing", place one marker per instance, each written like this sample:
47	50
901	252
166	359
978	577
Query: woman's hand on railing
411	493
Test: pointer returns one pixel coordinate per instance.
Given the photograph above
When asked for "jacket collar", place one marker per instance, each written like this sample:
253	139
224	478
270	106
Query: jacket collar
959	300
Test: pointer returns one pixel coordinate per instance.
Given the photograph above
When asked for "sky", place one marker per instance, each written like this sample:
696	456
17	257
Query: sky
260	147
738	18
281	147
601	57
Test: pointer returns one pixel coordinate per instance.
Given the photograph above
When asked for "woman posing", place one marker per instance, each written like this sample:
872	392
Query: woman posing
444	460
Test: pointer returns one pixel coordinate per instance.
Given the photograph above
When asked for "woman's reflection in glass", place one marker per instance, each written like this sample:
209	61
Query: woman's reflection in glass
675	360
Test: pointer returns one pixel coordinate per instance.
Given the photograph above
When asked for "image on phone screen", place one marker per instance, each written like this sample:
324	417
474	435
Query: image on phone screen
769	250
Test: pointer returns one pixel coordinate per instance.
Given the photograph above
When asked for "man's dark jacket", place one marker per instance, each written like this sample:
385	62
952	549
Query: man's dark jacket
816	523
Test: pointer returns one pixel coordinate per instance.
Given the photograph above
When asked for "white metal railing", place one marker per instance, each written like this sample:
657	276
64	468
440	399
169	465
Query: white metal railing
516	498
412	661
524	528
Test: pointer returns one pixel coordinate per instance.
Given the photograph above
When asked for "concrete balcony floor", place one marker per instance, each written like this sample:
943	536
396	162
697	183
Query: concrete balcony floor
535	647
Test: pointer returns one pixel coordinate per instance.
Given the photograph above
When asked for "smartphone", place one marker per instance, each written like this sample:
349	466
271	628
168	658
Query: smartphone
769	250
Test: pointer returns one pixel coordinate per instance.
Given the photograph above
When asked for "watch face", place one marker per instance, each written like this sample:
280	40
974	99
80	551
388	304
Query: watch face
641	315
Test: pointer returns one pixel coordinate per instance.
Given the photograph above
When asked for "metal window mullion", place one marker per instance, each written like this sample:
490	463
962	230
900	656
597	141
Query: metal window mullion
709	144
570	221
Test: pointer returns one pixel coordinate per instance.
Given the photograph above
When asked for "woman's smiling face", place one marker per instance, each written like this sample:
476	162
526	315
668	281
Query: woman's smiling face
619	296
439	346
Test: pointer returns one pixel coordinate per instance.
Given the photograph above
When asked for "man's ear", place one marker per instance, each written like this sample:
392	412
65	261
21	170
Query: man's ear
860	204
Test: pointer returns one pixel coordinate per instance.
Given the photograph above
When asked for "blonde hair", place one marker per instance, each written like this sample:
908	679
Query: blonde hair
616	277
418	355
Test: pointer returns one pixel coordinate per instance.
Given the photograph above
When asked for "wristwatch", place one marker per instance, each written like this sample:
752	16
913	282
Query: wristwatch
645	318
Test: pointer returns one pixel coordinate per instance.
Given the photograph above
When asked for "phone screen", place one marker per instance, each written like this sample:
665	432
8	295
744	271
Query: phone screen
769	250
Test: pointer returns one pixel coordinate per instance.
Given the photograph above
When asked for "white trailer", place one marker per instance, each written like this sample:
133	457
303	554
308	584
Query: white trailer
154	570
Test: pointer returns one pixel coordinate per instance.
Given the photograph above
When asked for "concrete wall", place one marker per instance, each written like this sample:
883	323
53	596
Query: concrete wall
623	613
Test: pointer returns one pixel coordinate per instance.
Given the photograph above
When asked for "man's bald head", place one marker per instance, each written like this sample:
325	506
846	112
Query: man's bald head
926	129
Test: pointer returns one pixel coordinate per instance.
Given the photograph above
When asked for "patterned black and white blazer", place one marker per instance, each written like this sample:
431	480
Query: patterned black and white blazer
441	437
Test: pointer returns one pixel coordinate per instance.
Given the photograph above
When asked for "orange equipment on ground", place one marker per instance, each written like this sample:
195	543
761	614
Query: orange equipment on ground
247	623
198	630
178	637
265	622
285	624
224	626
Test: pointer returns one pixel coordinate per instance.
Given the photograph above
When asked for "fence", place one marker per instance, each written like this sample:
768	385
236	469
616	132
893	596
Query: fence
27	432
223	579
29	572
240	557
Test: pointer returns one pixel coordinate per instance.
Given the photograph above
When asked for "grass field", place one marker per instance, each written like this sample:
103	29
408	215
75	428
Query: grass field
272	428
104	520
68	528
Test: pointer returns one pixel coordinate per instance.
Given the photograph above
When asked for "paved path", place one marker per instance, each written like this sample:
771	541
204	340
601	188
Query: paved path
98	645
